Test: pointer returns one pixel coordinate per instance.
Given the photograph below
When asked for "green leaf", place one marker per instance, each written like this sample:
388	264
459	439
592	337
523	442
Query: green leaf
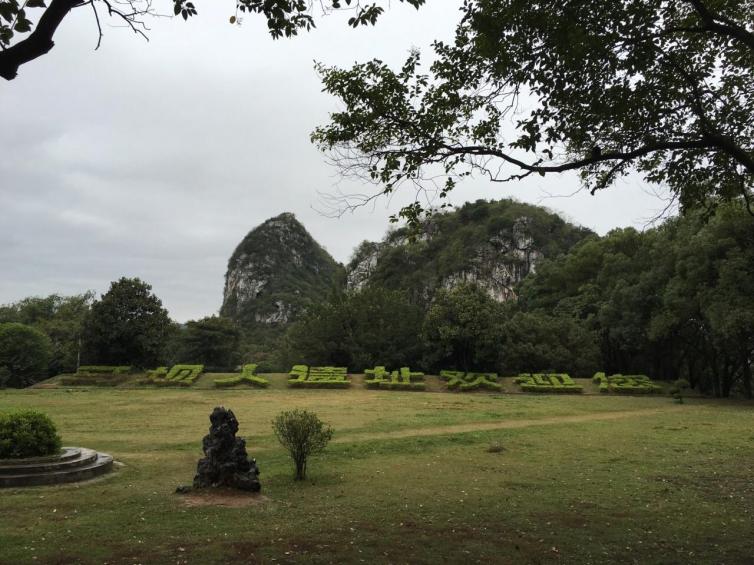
22	24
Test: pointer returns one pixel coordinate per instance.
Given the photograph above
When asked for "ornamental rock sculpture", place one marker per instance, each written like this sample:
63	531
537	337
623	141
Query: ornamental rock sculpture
225	462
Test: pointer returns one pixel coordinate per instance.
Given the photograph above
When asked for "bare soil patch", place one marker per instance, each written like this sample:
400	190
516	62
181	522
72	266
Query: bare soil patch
503	424
222	497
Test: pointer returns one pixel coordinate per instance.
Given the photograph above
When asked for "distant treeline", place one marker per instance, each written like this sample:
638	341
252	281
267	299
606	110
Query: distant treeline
676	301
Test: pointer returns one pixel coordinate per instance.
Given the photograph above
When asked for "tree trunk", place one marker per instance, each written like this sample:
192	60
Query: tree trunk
747	374
727	381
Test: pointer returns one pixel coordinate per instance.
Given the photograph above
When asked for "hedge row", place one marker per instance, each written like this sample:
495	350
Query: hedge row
178	375
158	373
302	376
626	384
461	381
247	376
551	382
101	370
93	380
319	384
403	379
185	373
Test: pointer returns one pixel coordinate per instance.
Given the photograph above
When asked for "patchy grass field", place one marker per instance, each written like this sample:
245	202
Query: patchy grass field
409	478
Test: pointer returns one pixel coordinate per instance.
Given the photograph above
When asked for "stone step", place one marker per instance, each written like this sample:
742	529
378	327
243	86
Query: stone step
81	458
65	454
99	466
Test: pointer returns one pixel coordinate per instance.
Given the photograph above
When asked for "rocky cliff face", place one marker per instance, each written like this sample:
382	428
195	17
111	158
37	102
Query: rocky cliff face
492	244
275	272
500	263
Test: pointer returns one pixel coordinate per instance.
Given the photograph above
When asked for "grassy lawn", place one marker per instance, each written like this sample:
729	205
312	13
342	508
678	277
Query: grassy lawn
408	479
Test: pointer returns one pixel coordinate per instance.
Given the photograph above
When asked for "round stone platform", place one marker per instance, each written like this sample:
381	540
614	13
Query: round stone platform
72	464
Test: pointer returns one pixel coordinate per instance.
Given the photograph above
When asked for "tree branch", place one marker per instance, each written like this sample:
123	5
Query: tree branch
581	163
721	25
39	41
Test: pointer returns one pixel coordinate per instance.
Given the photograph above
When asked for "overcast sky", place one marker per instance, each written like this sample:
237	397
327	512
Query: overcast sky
155	159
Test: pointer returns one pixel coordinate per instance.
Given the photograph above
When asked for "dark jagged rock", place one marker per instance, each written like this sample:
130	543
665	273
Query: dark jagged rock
225	461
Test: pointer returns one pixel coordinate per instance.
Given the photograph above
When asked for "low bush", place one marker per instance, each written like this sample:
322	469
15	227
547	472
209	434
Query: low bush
85	370
302	434
678	389
27	434
92	380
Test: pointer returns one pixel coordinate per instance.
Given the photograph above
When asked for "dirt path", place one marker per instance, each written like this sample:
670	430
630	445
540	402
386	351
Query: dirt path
504	424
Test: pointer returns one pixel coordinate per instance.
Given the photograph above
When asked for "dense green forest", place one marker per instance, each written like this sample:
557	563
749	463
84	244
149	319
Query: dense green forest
478	236
675	301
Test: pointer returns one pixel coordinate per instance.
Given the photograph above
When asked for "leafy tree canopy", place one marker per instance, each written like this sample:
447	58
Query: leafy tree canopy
212	341
462	329
662	87
671	302
60	317
359	330
126	326
24	355
27	27
537	342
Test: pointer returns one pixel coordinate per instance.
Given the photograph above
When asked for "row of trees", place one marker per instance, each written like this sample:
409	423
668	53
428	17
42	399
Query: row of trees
462	329
672	302
41	337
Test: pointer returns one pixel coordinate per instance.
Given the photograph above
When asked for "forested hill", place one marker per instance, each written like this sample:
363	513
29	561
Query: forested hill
493	244
276	272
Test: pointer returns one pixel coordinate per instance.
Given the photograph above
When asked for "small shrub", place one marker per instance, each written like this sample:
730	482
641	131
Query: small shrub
302	434
27	434
678	388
